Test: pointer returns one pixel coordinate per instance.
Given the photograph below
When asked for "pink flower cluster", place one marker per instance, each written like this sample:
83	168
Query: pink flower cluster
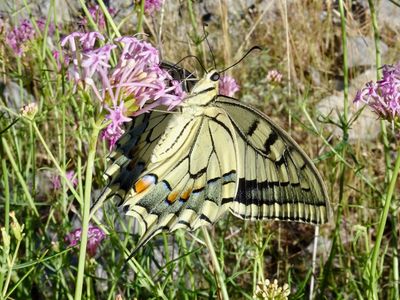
383	96
24	32
150	6
17	37
135	85
95	236
228	86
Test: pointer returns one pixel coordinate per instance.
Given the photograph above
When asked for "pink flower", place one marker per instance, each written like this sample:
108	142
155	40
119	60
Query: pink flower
72	178
88	39
96	60
56	179
41	23
56	56
150	6
274	76
228	86
383	96
114	130
95	236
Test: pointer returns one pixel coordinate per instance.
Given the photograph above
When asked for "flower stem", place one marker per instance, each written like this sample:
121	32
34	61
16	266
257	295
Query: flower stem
387	154
86	208
381	228
217	269
109	18
140	17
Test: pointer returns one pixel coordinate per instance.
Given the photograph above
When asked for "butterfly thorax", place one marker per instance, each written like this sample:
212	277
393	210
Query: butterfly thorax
204	91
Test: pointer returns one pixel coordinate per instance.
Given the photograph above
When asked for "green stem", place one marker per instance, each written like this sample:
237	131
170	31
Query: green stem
193	19
345	65
6	196
260	252
86	208
26	274
10	268
53	159
5	253
217	268
381	227
196	38
140	17
378	64
109	18
376	38
336	242
19	176
92	23
395	257
186	264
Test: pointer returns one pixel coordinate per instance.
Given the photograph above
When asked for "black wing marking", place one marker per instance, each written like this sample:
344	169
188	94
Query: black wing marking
277	180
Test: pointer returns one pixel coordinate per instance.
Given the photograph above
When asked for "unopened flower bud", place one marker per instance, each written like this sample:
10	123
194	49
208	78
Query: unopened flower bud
16	228
29	111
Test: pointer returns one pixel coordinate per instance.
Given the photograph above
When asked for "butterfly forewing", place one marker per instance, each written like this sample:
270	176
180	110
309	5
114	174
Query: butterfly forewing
277	180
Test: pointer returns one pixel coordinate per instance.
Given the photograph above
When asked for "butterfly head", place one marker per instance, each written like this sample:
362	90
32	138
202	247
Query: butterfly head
205	90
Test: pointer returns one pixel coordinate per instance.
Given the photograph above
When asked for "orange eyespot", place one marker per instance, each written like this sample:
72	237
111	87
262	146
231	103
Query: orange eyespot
186	194
172	197
143	183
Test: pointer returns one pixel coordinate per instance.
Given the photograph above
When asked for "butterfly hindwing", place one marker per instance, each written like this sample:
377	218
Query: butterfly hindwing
191	176
131	155
277	180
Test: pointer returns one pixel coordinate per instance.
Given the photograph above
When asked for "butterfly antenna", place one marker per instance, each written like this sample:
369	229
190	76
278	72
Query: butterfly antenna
9	126
243	57
191	56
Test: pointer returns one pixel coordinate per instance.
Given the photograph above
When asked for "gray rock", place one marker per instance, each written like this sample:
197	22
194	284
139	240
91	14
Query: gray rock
101	279
65	10
389	15
361	51
12	95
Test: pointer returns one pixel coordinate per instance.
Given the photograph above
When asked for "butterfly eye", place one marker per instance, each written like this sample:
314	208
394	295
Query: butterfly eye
215	77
